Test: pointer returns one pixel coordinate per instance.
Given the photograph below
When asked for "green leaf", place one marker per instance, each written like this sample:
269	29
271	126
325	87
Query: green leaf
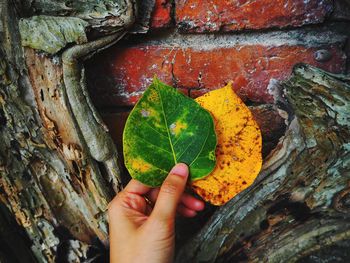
164	128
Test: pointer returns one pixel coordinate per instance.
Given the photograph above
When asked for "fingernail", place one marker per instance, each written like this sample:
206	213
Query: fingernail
180	169
199	205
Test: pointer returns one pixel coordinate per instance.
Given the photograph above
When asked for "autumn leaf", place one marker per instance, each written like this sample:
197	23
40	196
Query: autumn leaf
238	151
164	128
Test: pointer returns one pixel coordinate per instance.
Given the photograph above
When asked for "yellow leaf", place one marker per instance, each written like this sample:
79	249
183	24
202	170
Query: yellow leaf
238	151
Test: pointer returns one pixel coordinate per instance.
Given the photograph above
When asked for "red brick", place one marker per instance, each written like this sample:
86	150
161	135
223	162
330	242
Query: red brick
161	17
223	15
123	73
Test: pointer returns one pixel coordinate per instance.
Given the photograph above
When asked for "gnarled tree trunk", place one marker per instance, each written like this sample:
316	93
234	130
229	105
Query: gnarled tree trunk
59	167
298	209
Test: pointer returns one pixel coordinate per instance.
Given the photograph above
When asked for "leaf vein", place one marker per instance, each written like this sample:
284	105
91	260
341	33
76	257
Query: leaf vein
155	130
152	144
166	124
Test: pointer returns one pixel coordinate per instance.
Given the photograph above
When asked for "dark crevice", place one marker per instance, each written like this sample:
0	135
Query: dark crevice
264	225
64	236
300	211
76	168
251	103
235	254
42	95
97	252
14	241
3	120
15	148
26	176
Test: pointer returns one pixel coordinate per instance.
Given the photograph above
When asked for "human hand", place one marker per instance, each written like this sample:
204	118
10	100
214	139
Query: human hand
139	233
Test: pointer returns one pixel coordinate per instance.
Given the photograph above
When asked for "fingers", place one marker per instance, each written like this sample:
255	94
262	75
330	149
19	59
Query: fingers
170	193
185	211
192	203
153	195
188	207
136	187
129	202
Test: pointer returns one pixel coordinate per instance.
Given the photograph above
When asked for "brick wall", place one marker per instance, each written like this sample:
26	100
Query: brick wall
200	45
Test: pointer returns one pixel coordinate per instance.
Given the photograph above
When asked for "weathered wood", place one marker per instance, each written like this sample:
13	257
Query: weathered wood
299	205
52	179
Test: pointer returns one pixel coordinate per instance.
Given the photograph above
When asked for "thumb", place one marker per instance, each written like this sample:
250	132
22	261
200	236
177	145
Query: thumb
170	192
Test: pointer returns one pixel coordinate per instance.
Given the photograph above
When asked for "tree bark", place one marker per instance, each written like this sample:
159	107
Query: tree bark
59	167
298	209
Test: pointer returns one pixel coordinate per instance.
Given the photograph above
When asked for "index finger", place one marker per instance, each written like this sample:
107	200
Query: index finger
137	187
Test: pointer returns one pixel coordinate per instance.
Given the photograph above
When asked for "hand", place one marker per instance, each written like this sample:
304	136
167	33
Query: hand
140	234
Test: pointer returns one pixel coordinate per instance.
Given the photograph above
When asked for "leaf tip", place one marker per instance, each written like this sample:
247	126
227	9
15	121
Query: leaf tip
229	85
155	79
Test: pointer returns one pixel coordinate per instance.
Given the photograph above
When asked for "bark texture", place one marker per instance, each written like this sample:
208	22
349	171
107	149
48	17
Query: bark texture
59	166
298	208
